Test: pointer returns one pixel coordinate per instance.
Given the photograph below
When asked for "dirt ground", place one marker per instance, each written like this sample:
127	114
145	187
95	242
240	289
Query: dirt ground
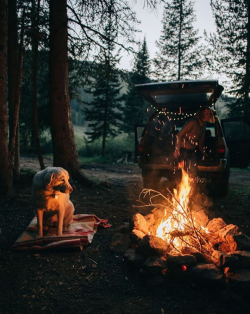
96	280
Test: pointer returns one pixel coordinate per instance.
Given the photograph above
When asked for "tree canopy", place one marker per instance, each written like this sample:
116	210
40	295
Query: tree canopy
229	51
180	53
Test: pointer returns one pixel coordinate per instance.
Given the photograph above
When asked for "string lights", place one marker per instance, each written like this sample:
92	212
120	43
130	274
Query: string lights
174	115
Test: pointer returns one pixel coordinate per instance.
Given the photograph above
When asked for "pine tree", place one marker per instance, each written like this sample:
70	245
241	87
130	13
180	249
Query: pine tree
229	52
135	107
180	54
103	113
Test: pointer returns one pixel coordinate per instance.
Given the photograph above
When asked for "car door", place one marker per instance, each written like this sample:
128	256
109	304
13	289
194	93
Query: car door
237	135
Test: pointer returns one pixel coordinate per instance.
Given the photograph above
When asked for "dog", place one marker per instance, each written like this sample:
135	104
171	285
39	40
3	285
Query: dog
50	195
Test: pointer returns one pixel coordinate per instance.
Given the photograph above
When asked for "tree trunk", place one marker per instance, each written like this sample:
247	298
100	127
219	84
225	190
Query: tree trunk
64	147
14	127
247	76
12	79
5	170
35	41
179	44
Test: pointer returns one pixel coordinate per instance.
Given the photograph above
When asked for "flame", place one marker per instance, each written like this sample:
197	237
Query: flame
178	223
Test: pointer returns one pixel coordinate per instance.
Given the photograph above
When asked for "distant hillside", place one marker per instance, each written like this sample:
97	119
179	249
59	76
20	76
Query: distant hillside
77	106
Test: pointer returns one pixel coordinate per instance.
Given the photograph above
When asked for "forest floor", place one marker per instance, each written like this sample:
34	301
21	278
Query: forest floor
96	280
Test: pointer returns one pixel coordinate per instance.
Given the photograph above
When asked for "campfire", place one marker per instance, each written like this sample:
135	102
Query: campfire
176	235
179	227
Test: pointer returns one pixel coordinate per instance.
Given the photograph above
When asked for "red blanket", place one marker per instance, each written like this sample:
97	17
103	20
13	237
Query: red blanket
80	233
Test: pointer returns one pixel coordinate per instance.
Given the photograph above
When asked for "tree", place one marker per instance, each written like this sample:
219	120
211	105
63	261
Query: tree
63	141
12	77
5	170
35	52
135	107
104	112
229	50
180	55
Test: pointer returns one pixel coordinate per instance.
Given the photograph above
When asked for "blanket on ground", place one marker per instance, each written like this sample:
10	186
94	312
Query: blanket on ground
79	234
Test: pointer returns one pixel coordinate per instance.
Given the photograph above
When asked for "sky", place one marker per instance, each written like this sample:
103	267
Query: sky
151	26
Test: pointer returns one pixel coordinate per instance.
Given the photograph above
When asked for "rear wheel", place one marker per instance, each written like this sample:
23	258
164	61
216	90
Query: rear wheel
220	185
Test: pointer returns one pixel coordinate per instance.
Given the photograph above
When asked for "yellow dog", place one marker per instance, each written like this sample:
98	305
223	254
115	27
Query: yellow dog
50	195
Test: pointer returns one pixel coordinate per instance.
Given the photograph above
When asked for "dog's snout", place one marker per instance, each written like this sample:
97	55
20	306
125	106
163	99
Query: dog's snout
70	189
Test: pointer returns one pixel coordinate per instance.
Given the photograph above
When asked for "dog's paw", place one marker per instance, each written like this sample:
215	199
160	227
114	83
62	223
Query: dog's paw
65	228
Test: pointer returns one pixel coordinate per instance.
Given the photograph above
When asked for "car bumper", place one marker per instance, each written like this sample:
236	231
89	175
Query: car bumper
165	164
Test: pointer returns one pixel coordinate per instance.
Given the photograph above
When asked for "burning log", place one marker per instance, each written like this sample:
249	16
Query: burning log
140	223
215	224
173	238
179	233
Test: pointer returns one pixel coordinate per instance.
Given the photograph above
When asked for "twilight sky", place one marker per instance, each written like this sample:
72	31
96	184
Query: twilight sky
151	25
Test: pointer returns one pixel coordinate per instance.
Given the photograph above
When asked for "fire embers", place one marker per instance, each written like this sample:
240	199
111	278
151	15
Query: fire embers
173	239
155	258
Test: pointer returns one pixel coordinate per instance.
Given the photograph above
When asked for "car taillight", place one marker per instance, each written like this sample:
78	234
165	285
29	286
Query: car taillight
141	145
221	149
221	146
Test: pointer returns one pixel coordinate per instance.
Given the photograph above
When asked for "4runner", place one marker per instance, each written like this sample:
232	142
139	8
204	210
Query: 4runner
174	103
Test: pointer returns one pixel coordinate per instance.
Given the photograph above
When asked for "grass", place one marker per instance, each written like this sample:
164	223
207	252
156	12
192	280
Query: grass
91	152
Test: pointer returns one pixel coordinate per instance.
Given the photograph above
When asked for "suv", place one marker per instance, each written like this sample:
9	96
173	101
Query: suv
173	103
237	135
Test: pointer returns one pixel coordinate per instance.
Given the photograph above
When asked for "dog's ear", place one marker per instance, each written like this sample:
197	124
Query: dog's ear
48	178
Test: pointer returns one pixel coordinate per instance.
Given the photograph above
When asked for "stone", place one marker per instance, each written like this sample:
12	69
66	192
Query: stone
136	236
154	265
242	241
140	223
192	251
152	245
239	277
207	272
221	259
181	259
120	243
124	228
215	224
243	259
134	258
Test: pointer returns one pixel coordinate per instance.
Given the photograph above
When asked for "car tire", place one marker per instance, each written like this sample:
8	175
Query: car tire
151	179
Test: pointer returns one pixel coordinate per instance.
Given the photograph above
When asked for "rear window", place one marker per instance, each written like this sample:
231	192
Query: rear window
161	126
179	99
